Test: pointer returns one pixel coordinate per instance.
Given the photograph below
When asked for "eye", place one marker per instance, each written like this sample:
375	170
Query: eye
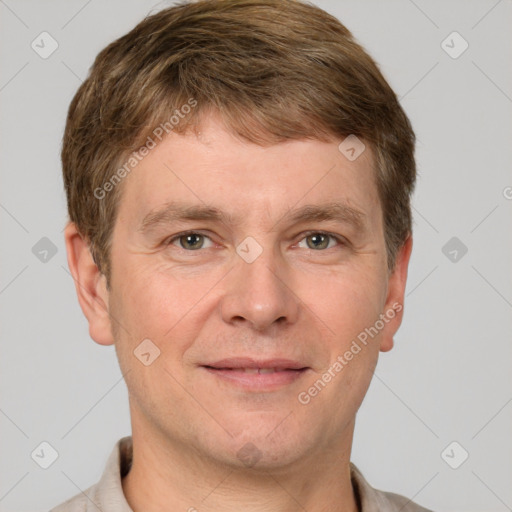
191	241
319	241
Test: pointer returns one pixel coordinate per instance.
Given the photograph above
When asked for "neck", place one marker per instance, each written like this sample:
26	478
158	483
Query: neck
166	475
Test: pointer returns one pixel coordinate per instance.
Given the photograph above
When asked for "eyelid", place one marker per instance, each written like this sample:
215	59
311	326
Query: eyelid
177	236
342	241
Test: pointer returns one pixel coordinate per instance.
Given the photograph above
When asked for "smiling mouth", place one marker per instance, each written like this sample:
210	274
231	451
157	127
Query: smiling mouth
250	379
257	370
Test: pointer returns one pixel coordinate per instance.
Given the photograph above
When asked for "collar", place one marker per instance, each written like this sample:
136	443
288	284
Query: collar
108	496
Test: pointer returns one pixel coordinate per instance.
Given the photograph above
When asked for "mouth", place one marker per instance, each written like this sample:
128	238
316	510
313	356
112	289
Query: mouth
257	375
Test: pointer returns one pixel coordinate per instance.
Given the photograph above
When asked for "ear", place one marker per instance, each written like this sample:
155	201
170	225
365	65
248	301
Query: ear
90	284
394	308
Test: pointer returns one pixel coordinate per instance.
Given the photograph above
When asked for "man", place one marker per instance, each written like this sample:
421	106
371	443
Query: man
238	177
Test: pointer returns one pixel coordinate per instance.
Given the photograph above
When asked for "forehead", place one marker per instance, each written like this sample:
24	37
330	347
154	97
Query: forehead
212	168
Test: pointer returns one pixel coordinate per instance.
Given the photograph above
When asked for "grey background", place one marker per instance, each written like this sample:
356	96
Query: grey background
448	377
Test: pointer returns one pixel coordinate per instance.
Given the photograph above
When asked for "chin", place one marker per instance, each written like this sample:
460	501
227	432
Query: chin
269	443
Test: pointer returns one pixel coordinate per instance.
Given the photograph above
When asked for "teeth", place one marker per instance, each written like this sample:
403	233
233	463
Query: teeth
267	370
250	370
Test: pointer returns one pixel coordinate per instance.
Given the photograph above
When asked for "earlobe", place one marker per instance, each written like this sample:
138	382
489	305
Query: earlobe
393	309
90	285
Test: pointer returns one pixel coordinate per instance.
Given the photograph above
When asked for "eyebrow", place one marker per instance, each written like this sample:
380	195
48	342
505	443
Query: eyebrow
175	212
329	212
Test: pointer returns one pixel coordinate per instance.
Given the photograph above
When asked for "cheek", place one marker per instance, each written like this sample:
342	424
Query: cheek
152	301
152	305
347	301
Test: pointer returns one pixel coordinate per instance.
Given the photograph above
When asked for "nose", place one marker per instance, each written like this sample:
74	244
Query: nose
260	294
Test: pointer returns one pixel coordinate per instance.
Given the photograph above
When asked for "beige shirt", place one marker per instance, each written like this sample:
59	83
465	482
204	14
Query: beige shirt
107	495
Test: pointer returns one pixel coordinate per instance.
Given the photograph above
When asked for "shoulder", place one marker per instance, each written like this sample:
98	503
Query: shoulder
107	494
374	500
401	503
79	503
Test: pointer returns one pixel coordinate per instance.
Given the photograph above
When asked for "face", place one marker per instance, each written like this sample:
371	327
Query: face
231	257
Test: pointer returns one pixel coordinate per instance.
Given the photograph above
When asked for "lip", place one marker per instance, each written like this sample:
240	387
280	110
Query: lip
232	371
249	362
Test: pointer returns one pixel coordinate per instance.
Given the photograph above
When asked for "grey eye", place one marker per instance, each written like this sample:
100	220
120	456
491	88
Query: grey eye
318	241
191	241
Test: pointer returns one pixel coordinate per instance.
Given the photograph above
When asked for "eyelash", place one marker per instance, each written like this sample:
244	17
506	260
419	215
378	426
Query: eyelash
174	238
340	240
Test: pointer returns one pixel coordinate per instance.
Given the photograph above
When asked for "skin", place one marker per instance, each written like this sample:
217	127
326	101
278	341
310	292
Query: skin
199	306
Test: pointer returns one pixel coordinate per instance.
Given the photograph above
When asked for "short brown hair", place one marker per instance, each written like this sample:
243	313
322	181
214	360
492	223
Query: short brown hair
273	69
